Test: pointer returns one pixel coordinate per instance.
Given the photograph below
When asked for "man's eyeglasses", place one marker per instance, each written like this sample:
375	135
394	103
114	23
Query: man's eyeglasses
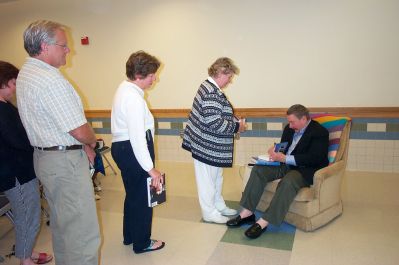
65	46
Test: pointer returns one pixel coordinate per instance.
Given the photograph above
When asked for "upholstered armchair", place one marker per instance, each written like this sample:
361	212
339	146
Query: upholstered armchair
317	205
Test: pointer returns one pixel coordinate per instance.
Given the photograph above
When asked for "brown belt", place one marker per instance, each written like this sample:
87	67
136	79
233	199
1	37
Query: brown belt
60	148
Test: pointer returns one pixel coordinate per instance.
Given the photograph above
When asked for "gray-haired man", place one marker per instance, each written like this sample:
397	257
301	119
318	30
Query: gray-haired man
52	114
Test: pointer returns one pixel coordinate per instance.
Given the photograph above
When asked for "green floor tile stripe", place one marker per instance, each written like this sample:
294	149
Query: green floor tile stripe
233	204
282	239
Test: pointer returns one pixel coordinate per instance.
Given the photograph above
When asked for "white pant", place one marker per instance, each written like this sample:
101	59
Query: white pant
209	185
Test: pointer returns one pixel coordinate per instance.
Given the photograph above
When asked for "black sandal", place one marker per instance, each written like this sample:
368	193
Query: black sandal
150	247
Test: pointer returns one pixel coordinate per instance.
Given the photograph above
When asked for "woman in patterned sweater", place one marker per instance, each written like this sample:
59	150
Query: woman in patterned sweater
209	136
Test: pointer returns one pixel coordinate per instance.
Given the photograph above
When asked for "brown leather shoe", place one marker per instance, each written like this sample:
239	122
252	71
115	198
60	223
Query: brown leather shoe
238	221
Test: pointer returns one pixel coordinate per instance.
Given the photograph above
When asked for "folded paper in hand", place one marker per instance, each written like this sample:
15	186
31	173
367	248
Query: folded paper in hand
264	160
156	197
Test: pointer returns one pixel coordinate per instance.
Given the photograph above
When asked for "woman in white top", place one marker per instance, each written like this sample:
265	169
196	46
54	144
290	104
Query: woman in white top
132	126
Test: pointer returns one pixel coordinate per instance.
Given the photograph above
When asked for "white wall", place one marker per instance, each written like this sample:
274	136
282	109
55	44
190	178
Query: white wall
319	53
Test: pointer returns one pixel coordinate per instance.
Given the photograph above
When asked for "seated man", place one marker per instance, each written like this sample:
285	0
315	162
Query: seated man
307	152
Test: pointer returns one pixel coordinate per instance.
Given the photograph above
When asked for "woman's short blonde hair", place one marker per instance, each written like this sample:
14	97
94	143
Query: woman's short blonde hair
223	65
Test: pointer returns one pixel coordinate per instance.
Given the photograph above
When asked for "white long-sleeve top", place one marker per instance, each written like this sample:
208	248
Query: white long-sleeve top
130	119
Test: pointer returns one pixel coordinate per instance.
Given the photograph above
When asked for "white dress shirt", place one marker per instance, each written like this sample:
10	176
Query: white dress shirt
130	119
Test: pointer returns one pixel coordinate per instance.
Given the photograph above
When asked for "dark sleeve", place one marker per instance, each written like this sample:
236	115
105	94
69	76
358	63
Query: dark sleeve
287	136
312	150
11	129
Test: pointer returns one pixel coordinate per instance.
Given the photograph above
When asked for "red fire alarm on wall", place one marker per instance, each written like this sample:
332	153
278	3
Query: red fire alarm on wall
84	40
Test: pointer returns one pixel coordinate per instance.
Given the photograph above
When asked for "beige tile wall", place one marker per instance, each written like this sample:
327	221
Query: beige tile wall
364	155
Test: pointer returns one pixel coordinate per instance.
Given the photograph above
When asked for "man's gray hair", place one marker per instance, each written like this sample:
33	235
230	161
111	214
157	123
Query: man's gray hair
38	32
299	111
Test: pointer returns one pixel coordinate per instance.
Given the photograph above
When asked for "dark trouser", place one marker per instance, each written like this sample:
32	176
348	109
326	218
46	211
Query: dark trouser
137	217
291	182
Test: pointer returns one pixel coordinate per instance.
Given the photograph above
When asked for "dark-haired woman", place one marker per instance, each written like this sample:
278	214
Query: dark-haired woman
132	126
17	176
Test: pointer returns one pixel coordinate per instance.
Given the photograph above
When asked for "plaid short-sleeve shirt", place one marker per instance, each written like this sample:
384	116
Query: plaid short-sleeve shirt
48	105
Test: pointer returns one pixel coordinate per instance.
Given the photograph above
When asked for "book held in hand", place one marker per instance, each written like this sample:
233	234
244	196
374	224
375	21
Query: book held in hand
265	160
156	197
280	147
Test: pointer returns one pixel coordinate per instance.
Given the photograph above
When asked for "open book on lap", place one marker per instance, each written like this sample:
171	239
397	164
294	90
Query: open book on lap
263	160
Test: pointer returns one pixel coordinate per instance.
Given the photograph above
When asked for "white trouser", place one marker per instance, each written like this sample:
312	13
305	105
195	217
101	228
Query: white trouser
209	185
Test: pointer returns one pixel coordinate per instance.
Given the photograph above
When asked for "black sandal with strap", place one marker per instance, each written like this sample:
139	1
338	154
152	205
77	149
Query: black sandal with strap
150	247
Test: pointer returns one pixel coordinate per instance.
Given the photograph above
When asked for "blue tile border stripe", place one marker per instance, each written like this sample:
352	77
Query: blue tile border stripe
102	130
359	127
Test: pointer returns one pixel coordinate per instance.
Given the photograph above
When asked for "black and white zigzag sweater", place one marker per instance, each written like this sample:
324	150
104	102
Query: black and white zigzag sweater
209	134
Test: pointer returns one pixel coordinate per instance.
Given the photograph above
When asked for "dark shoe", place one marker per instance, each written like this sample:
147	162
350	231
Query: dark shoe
150	247
255	231
238	221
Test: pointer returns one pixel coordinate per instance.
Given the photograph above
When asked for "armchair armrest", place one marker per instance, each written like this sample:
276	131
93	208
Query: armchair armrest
331	173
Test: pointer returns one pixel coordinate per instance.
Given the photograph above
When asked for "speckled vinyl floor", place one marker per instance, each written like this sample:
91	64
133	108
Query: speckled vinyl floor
366	233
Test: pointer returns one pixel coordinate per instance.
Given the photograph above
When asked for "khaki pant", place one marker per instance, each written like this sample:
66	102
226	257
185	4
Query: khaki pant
73	216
